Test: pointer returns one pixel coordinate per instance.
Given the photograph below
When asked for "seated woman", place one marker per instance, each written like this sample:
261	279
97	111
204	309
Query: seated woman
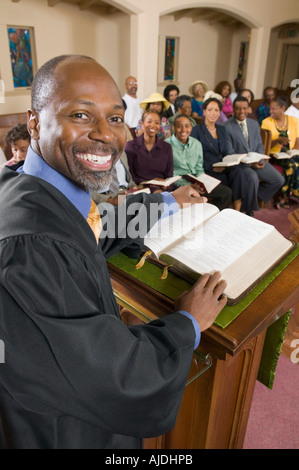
224	89
198	90
188	159
148	156
248	94
285	136
161	105
214	143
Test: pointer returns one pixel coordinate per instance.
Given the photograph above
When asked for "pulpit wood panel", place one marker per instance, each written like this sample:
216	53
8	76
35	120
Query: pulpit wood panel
215	407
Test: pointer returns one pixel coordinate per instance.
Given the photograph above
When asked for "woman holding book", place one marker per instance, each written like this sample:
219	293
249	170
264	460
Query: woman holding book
214	143
285	137
148	156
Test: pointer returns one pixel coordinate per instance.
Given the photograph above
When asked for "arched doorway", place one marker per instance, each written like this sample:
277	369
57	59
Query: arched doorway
212	45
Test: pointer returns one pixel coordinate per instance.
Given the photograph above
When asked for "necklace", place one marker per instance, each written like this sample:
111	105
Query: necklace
212	130
285	124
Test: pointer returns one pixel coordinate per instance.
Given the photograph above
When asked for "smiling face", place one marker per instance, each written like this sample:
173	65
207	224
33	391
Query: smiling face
276	111
182	129
151	124
198	90
241	110
80	132
212	112
186	108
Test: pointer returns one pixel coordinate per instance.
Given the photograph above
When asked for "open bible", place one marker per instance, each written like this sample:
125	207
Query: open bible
236	158
285	155
199	239
161	183
206	182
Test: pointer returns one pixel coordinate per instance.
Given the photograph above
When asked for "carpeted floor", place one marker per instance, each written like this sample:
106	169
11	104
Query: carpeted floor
274	416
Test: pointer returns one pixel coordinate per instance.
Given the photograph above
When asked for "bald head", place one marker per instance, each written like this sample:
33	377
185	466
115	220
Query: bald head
131	86
45	83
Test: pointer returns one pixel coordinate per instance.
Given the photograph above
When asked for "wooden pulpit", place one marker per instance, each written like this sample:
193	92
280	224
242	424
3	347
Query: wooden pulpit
216	403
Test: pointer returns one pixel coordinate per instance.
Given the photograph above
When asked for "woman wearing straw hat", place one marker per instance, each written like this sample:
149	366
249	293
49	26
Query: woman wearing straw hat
198	90
159	103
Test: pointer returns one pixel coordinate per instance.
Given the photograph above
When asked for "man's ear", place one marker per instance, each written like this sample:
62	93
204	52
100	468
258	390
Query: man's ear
33	124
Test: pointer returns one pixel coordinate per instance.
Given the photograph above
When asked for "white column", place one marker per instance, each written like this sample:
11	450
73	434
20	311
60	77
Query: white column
144	51
257	60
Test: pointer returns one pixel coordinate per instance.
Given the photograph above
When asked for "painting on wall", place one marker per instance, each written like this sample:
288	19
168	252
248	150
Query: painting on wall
170	58
21	55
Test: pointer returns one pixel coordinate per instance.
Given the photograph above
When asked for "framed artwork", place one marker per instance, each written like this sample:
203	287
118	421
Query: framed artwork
22	52
170	57
168	60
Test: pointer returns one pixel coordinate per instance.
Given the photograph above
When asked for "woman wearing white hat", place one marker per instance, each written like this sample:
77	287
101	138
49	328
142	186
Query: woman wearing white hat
198	90
159	103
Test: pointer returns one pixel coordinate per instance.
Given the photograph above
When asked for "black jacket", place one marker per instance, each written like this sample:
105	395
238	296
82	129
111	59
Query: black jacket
74	375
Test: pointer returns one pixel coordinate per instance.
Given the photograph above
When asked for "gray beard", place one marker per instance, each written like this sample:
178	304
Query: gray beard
94	181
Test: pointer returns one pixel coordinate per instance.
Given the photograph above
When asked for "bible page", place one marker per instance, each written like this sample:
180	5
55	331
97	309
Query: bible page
169	230
220	241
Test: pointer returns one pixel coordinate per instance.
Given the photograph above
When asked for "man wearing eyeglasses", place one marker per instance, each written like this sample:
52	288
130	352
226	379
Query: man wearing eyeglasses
133	112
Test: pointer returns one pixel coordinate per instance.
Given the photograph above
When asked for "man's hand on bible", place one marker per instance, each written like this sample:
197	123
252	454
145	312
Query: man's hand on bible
205	300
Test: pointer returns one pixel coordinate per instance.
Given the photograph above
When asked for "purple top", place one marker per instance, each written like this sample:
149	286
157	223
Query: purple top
145	165
227	107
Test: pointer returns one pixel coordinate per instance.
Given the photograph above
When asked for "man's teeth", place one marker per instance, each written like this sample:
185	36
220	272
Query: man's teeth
94	158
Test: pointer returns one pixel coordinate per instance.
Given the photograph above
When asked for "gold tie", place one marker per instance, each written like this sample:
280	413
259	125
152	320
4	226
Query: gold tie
94	220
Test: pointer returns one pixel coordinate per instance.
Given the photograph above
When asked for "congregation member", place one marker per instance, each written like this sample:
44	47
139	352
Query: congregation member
170	93
75	376
149	156
158	103
250	98
211	94
238	84
224	89
133	111
182	106
213	139
188	159
198	90
263	110
285	136
243	136
18	139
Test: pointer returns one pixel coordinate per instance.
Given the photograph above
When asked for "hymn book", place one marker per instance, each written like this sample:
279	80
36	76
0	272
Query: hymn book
200	239
236	158
285	155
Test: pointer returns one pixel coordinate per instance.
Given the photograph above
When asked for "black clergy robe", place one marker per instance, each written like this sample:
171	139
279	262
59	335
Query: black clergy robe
74	375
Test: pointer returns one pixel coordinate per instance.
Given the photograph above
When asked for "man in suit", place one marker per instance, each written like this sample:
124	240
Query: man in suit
243	136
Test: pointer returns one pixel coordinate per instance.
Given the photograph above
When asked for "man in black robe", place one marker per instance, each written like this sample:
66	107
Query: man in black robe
74	375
